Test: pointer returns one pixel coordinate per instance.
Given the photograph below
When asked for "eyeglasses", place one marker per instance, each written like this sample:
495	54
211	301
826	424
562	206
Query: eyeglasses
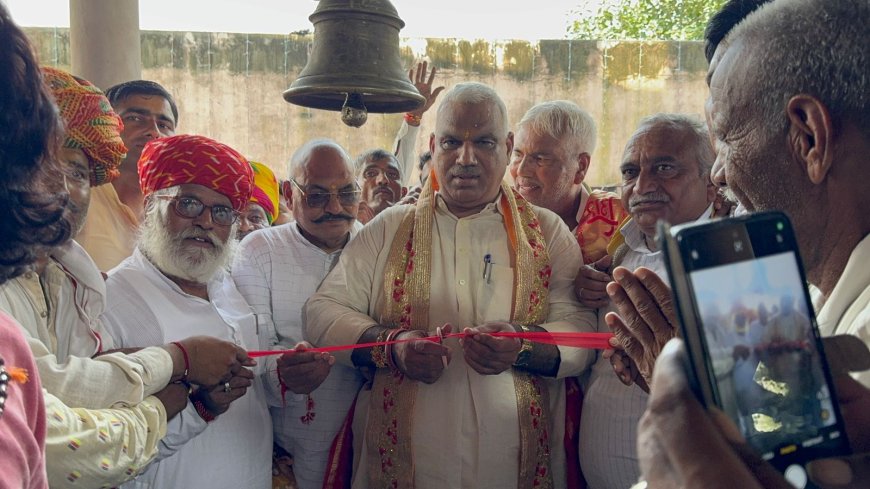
320	199
191	208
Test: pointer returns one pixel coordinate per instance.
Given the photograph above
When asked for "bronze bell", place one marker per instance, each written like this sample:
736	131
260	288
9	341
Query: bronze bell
354	65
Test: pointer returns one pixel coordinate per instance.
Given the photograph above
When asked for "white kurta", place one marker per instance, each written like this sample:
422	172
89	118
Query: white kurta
405	149
847	310
146	308
465	425
64	332
277	270
612	410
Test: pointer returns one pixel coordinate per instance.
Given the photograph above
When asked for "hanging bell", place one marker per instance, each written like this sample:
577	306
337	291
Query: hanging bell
354	65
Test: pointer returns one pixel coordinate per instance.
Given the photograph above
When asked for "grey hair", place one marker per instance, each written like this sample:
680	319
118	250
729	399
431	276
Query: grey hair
376	154
813	47
158	206
693	125
562	119
301	156
475	93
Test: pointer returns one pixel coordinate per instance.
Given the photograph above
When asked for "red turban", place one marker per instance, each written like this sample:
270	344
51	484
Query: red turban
90	124
177	160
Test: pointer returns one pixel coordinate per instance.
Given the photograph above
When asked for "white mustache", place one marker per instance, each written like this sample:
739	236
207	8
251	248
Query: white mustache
202	234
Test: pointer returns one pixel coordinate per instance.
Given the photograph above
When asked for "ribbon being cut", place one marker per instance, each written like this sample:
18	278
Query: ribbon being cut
597	341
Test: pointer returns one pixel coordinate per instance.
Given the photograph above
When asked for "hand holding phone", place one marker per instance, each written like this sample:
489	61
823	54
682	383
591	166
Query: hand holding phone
753	346
676	428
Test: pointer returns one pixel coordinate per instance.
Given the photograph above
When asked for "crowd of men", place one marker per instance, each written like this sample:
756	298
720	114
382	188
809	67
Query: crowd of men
139	267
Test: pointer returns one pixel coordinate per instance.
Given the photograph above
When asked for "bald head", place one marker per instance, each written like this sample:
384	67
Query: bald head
473	93
314	150
324	196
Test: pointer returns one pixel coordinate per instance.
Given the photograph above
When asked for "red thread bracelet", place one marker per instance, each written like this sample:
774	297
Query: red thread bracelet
203	411
186	361
412	119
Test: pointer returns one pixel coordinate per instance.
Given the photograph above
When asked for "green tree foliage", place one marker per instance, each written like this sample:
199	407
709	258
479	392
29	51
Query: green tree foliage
682	20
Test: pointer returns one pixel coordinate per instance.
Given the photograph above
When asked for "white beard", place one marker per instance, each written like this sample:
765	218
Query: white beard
173	257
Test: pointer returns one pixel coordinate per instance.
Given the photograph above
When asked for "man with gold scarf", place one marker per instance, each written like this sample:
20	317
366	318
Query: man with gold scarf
471	256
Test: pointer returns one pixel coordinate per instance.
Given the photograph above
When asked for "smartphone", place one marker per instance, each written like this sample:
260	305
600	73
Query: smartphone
753	344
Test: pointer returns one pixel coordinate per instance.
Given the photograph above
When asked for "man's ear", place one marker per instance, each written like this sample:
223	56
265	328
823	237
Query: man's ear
583	160
404	191
510	143
432	143
287	191
810	135
712	191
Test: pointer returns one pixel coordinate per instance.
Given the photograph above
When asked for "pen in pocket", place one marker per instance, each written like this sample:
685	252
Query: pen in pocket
487	267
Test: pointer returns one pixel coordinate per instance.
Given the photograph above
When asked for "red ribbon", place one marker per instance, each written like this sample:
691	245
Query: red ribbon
597	341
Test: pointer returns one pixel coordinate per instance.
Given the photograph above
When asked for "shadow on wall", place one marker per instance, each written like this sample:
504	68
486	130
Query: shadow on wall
228	86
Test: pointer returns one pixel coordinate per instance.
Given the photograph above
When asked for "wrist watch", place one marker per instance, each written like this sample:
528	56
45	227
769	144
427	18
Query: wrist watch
524	356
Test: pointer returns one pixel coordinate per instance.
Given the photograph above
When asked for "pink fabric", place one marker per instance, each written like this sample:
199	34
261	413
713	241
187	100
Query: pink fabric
22	424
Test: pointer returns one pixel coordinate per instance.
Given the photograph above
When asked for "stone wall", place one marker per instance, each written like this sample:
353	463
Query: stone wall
228	86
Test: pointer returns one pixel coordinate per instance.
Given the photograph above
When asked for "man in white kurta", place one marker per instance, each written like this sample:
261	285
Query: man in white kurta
465	425
176	285
847	310
147	308
611	410
277	270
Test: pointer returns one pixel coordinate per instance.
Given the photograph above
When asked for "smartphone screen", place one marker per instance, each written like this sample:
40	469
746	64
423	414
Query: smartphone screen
767	370
761	348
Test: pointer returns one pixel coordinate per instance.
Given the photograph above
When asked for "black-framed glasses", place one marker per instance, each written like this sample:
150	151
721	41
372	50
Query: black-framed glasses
320	199
191	208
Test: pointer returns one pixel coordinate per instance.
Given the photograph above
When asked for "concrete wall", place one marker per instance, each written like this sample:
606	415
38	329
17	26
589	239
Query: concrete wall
228	86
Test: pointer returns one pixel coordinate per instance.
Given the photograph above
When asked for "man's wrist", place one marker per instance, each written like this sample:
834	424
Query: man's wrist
413	119
537	358
363	357
524	356
179	368
201	404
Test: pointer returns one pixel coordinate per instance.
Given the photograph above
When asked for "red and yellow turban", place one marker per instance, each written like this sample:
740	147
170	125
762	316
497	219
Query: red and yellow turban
265	190
177	160
91	124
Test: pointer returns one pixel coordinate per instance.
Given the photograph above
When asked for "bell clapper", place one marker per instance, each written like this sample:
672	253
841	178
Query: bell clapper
353	112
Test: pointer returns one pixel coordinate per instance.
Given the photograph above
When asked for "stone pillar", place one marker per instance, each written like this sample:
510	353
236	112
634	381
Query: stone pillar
104	41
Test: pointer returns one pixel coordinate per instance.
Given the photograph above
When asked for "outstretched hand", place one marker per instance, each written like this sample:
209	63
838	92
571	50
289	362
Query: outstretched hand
423	83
